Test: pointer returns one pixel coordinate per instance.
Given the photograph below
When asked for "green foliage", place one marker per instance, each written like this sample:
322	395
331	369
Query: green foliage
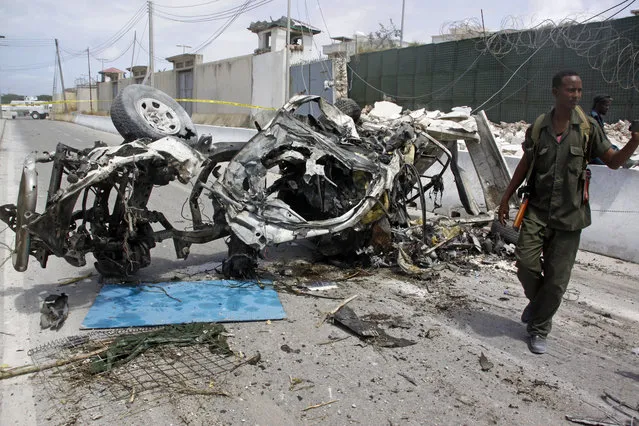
8	97
45	98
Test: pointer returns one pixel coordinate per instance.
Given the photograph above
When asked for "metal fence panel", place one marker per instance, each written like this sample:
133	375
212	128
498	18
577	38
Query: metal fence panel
437	76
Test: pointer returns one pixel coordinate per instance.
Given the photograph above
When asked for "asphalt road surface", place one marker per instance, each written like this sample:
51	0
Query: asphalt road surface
22	293
469	363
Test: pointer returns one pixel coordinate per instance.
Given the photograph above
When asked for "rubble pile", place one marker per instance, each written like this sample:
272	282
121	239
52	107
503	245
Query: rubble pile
509	137
618	133
457	124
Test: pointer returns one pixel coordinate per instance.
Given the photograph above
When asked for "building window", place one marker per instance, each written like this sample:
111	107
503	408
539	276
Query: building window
267	41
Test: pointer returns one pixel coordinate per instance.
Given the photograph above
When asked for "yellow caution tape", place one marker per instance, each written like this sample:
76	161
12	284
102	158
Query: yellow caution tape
205	101
237	104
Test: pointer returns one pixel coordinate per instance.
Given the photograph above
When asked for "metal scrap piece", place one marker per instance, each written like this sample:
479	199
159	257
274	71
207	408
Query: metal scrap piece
368	331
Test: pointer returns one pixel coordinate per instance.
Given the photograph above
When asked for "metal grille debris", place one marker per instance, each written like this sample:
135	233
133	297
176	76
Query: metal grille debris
72	393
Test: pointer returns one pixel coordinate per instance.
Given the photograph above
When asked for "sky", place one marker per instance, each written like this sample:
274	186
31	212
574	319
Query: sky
27	52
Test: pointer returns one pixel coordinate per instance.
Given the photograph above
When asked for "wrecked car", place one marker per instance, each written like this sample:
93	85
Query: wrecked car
323	178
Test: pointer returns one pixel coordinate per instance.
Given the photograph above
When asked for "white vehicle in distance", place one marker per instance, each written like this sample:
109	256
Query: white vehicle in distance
32	107
7	113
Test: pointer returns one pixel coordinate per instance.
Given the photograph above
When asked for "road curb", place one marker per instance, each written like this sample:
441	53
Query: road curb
220	133
4	122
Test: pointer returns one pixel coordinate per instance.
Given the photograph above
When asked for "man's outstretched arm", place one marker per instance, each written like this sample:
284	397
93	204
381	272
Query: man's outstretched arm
615	159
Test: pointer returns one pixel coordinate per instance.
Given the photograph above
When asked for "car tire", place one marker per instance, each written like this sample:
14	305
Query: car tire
35	115
509	234
349	107
144	112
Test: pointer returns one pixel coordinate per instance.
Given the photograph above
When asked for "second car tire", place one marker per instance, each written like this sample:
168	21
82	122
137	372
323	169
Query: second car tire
144	112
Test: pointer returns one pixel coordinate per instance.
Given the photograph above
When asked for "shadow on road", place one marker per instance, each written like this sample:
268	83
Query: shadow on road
82	293
489	324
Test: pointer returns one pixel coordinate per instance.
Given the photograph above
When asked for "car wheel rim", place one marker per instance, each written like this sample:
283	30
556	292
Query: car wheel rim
159	116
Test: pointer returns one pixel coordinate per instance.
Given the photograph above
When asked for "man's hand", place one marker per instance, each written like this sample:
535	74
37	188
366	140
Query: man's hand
615	159
502	213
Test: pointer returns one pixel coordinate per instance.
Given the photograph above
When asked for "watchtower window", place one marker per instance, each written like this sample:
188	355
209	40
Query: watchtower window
266	41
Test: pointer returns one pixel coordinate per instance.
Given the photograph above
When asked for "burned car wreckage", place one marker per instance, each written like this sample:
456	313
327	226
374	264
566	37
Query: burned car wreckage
328	179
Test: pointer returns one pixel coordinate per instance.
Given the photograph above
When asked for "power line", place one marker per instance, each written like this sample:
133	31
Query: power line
117	57
620	10
500	44
228	13
185	6
101	47
219	32
138	42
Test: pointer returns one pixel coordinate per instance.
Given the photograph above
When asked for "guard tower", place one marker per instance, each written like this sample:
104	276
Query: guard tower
272	38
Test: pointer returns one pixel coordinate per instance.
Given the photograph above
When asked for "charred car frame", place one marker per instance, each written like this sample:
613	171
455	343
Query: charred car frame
324	178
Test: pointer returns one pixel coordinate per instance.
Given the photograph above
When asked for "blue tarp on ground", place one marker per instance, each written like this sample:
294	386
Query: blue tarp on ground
183	302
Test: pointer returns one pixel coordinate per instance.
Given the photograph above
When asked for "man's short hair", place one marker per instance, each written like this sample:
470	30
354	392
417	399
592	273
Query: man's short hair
601	98
557	80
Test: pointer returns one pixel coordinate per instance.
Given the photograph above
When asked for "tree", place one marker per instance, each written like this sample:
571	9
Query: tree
8	97
48	98
386	37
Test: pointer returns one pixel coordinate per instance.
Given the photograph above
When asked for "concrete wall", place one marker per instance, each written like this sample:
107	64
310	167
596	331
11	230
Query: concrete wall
250	79
278	39
268	83
227	80
71	105
166	81
86	102
105	92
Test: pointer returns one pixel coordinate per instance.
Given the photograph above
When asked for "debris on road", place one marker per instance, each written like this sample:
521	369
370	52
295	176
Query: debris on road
485	364
344	185
127	347
68	281
54	310
320	286
367	330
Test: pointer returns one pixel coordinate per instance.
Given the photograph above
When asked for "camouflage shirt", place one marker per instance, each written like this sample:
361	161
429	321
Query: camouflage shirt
558	179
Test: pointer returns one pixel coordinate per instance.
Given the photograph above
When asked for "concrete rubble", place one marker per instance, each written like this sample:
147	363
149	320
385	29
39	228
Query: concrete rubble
509	136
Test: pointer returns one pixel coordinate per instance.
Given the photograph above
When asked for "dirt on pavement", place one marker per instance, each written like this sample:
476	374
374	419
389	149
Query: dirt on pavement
469	364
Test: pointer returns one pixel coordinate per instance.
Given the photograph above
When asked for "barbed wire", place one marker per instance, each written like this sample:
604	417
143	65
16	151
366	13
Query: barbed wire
605	49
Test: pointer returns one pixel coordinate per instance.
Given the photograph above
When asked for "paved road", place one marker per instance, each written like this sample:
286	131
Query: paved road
21	294
453	320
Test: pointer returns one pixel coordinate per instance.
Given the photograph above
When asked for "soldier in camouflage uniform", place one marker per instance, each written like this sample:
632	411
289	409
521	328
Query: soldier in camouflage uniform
558	207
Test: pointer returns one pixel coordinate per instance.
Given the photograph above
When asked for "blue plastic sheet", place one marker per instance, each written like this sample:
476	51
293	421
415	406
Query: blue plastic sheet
183	302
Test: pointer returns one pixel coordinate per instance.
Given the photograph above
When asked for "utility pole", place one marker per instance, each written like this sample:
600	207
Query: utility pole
135	34
184	47
64	93
151	64
102	61
90	94
483	27
1	36
401	35
288	54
